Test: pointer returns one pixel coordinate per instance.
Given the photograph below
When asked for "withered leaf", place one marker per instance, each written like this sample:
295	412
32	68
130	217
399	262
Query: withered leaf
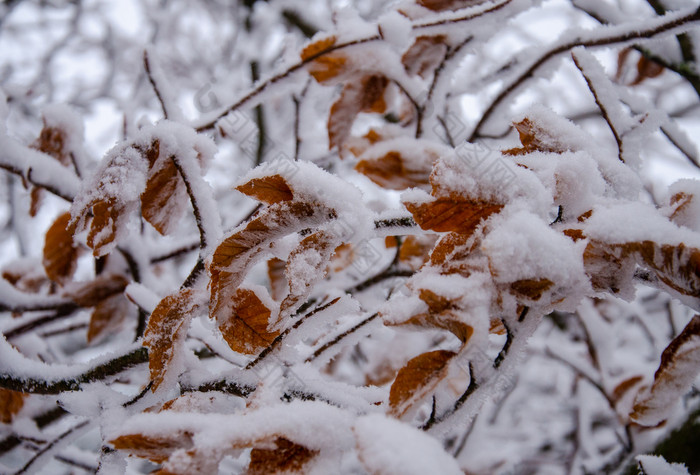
268	189
531	288
163	199
575	234
680	364
103	225
246	329
415	380
10	404
60	254
157	449
342	257
275	273
241	249
286	457
363	95
443	5
647	69
305	266
91	293
324	66
108	316
625	386
415	250
535	139
424	55
453	213
167	326
391	171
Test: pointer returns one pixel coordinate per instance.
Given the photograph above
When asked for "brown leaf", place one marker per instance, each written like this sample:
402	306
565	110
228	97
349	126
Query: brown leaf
156	449
424	55
575	234
52	141
91	293
35	199
415	380
391	171
268	189
240	250
246	329
108	316
531	288
324	66
167	326
106	214
163	199
60	254
646	69
682	205
443	5
278	283
446	320
453	213
680	364
535	139
10	404
342	257
363	95
624	387
286	457
415	250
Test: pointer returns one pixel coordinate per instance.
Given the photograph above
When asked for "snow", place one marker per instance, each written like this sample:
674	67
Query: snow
657	465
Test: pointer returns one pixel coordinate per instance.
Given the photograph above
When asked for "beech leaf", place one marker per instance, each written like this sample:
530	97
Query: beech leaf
10	404
269	189
452	213
286	457
60	254
415	380
246	328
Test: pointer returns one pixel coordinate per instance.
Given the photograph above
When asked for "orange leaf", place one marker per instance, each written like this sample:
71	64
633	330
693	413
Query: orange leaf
342	257
89	294
680	364
104	224
424	55
531	288
365	95
624	387
275	273
306	264
287	457
452	213
535	139
167	326
246	329
163	199
60	254
646	69
108	317
10	404
415	380
393	172
156	449
52	141
268	189
415	250
324	65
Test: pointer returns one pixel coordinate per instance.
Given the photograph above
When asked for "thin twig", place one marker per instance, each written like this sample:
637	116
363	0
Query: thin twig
48	447
335	340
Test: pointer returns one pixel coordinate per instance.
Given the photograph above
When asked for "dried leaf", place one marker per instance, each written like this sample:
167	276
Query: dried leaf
109	316
443	5
415	250
424	55
682	204
647	69
342	257
286	457
278	283
453	213
415	380
91	293
535	139
324	66
52	141
446	320
625	386
35	199
391	171
364	95
167	326
10	404
164	198
575	234
531	288
268	189
60	254
680	364
156	449
246	329
106	215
